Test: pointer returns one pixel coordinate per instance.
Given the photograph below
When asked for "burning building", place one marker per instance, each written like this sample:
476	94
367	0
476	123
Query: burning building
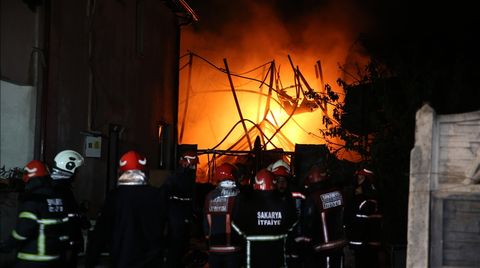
224	110
238	80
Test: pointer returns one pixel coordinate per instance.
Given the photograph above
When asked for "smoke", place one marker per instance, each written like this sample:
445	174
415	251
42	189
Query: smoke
249	33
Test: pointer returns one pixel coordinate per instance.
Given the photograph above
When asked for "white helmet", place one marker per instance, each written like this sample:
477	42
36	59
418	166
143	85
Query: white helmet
68	161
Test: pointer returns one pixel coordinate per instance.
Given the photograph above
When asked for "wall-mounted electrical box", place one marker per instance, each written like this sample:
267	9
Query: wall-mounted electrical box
93	146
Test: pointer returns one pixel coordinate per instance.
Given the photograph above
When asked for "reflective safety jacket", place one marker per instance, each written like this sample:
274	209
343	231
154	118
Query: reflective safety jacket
41	230
264	219
218	217
323	219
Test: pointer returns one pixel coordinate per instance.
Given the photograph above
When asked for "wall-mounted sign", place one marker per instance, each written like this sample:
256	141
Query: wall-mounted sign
93	146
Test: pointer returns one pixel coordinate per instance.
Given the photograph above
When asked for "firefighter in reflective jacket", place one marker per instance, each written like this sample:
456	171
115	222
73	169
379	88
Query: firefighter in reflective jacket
224	246
264	220
295	245
41	233
365	227
323	221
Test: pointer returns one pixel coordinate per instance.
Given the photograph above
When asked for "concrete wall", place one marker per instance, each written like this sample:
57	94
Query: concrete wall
459	147
444	199
421	160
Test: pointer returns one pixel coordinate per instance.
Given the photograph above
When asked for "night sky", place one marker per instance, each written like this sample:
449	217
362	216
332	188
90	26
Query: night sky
432	44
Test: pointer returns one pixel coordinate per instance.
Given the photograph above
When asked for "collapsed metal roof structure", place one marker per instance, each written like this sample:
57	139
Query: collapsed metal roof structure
229	113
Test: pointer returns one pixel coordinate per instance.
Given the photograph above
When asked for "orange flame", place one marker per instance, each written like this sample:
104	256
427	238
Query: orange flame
325	34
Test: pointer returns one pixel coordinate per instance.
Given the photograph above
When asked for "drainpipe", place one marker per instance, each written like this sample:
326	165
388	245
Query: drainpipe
191	17
170	161
113	141
40	75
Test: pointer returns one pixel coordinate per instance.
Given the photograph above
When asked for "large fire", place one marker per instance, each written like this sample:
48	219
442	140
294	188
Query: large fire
209	115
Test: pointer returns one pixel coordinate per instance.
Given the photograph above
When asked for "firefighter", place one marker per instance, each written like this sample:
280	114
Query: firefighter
243	175
365	224
264	219
224	246
63	172
132	220
323	220
41	233
180	187
284	182
281	172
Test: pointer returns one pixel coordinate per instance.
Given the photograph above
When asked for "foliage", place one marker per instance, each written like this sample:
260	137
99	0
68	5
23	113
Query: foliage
333	121
11	179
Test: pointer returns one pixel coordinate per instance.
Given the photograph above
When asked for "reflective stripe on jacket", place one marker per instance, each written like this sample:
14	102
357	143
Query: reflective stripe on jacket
41	229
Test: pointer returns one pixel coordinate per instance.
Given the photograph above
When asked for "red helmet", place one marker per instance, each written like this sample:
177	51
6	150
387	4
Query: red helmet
33	169
366	175
281	172
264	180
365	172
316	174
132	160
224	172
